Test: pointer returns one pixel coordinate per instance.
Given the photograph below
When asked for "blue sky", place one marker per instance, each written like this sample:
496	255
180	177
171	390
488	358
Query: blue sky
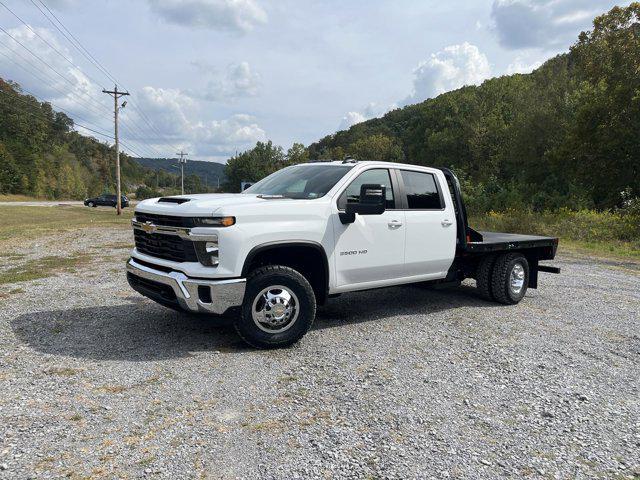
215	76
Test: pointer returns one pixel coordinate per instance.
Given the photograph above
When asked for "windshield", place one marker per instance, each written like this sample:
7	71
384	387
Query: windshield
300	181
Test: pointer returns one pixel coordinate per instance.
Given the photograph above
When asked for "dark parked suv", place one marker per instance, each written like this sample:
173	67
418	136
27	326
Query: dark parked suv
106	200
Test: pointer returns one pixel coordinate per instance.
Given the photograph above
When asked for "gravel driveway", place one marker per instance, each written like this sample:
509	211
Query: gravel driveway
98	382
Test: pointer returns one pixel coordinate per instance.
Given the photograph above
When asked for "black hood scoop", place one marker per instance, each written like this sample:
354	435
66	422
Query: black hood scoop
173	200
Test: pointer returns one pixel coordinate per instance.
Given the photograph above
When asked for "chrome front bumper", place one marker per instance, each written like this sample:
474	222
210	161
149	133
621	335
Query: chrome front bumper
195	295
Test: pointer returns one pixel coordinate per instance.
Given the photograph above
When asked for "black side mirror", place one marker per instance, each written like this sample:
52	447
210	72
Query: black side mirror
372	202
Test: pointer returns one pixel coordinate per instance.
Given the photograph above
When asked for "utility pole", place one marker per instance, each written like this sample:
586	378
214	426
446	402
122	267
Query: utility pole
116	95
182	163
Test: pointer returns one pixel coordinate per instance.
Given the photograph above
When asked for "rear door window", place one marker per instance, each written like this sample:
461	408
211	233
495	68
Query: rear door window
421	190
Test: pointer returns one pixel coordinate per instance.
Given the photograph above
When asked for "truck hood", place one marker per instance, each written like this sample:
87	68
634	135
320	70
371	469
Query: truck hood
212	204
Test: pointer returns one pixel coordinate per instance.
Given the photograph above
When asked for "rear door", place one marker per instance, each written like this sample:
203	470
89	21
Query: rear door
372	248
430	224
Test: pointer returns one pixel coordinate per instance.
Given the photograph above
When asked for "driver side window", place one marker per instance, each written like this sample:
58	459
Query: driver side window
377	176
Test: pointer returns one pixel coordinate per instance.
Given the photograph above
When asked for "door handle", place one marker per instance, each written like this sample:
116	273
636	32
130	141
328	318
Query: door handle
446	222
394	224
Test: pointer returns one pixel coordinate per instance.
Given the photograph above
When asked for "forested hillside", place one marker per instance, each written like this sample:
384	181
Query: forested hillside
209	173
566	135
42	156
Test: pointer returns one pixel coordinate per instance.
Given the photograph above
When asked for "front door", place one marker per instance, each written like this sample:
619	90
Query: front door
372	248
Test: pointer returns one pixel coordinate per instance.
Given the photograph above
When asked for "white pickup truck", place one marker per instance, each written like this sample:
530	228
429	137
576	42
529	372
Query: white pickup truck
308	232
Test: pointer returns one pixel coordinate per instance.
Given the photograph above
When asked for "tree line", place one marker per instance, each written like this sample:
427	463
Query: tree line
564	136
42	156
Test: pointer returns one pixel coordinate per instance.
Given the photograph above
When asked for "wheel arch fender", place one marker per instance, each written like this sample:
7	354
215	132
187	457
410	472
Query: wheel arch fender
273	247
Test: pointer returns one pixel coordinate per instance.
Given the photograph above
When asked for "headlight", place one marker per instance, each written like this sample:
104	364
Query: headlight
214	221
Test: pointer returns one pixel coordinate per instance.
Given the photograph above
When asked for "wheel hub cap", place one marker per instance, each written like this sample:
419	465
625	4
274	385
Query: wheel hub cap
517	278
275	309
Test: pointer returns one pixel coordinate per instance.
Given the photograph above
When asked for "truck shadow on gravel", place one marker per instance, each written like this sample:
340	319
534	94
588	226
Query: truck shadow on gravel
143	331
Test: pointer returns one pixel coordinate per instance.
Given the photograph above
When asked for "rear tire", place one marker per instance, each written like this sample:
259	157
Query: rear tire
510	278
279	308
484	274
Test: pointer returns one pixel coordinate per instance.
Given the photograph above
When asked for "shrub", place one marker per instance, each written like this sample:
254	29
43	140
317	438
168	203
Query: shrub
143	192
581	225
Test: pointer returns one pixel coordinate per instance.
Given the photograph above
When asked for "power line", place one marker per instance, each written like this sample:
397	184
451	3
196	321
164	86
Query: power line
78	46
146	120
61	28
75	42
17	96
71	115
47	42
44	80
42	117
149	152
51	83
47	64
37	56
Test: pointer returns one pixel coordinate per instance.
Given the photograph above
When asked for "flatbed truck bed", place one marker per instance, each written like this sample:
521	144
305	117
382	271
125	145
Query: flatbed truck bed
476	251
498	241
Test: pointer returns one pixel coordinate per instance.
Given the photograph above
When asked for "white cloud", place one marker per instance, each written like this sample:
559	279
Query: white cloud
239	81
546	24
230	15
519	65
172	110
370	111
237	130
172	113
351	119
69	89
453	67
167	108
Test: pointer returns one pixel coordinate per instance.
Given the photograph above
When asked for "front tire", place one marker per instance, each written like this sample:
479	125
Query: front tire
279	308
510	278
90	204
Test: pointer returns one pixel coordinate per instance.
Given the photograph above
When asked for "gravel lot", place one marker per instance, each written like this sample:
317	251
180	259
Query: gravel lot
98	382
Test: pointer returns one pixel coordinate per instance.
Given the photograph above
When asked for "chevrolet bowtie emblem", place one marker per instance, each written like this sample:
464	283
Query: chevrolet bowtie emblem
148	227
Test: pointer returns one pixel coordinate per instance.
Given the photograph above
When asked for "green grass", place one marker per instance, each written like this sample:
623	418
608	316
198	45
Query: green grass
33	222
42	268
595	233
18	198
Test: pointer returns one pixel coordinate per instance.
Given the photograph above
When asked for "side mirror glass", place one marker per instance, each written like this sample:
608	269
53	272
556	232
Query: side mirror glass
372	202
